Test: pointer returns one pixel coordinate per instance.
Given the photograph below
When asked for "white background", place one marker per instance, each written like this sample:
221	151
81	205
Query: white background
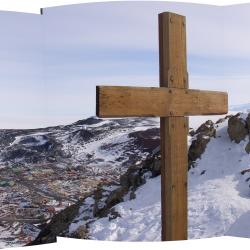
33	6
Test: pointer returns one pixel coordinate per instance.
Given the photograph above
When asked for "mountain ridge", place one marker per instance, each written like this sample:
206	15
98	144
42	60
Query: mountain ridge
76	178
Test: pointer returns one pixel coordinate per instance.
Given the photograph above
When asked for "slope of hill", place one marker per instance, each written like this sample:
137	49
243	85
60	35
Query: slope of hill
218	197
99	179
43	171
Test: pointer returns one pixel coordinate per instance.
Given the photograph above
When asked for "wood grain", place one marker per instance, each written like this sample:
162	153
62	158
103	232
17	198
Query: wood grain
174	157
115	101
172	102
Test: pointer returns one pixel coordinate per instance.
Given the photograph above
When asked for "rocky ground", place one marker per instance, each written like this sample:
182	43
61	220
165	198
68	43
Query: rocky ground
218	190
101	203
44	171
62	180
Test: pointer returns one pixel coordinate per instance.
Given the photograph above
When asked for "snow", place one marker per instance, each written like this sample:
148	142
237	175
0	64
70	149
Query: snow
109	151
140	218
218	199
241	227
38	140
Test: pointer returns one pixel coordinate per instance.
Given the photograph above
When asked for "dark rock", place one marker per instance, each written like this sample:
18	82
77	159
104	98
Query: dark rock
132	195
80	233
131	179
32	149
148	140
154	164
59	223
207	129
248	122
114	198
82	134
197	148
113	214
198	145
203	172
43	148
6	138
247	148
245	171
191	132
237	128
88	121
129	182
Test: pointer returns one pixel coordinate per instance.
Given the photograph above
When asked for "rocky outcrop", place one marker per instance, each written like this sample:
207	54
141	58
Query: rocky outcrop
82	135
80	233
248	121
237	128
88	121
134	177
105	197
201	138
108	194
146	140
207	129
57	226
247	148
33	149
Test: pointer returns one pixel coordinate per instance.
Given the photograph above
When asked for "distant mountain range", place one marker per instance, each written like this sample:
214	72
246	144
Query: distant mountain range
240	107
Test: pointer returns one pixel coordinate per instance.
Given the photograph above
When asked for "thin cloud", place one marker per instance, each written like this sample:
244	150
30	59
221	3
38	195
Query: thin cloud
50	64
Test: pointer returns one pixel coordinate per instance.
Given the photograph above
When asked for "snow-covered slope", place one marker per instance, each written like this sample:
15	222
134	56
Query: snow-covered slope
44	171
218	198
47	174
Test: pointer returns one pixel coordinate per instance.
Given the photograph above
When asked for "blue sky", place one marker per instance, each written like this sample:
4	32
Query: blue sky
50	64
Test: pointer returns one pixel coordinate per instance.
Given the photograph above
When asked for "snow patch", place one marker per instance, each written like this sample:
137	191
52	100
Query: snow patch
218	199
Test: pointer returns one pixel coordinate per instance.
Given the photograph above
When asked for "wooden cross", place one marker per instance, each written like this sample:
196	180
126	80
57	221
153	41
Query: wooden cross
172	102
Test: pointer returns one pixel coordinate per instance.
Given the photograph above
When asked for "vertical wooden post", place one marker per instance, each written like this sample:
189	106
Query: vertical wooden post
174	163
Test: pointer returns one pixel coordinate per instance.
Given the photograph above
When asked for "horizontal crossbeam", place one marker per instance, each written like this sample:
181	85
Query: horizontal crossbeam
113	101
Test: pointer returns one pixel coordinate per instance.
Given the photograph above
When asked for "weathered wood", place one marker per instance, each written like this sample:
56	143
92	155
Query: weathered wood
117	101
174	161
172	101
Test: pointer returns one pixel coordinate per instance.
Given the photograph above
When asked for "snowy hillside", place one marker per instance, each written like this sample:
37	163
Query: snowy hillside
218	198
100	179
44	171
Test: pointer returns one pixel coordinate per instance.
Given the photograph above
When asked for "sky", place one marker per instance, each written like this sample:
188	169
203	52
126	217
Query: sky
51	64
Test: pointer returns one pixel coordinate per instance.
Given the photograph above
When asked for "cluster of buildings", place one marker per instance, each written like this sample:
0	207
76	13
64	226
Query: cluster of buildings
31	195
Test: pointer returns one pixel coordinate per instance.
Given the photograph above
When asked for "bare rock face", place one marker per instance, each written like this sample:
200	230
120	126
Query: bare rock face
247	148
147	140
198	146
58	224
207	129
80	233
248	121
237	128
